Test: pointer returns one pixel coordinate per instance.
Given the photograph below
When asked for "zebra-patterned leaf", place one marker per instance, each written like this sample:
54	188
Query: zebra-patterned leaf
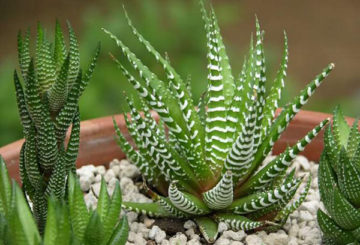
286	115
279	165
208	227
23	111
238	222
149	209
74	64
221	195
187	202
58	92
273	98
332	230
59	47
349	178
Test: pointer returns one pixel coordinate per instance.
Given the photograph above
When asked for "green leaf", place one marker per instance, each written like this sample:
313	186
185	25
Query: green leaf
113	212
21	223
60	47
5	188
149	209
341	129
94	231
208	227
238	222
23	111
120	234
332	230
103	201
221	195
187	202
79	215
58	92
349	178
74	66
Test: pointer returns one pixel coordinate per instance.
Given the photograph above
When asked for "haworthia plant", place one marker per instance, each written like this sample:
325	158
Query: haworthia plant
47	97
339	183
208	165
67	223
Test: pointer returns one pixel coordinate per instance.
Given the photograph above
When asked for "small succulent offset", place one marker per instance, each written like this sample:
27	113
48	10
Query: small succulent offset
67	223
339	183
48	105
208	165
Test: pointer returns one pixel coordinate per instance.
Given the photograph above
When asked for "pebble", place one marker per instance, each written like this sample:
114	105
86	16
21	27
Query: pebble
300	229
189	224
254	240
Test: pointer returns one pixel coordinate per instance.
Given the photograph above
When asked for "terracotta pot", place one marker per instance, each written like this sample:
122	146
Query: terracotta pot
97	144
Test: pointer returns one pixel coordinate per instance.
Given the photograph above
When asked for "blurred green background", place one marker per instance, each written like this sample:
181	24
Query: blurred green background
319	32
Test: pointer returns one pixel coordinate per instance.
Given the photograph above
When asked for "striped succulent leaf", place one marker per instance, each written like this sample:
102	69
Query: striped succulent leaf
68	222
47	96
339	183
207	166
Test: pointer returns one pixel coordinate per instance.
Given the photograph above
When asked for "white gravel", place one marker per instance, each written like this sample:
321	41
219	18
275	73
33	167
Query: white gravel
300	229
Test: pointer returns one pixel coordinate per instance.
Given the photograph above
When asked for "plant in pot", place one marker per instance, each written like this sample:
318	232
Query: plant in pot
67	222
51	209
339	183
48	105
207	167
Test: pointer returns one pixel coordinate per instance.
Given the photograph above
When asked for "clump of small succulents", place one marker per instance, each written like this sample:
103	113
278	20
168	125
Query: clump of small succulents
67	223
48	105
205	162
339	183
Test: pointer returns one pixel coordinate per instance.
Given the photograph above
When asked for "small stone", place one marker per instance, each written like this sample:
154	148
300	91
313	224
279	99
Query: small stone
160	236
304	163
114	162
153	231
90	200
131	217
294	229
96	188
139	239
311	206
134	226
100	170
128	170
306	216
254	240
131	236
109	175
189	224
293	241
236	236
236	243
178	239
222	241
148	222
193	242
222	226
116	170
97	178
276	238
84	183
165	242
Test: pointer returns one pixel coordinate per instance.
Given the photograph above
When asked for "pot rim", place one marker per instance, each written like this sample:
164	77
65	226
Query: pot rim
98	145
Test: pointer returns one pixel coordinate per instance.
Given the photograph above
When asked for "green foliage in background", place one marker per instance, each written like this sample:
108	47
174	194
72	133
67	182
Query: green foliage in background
339	183
67	223
209	166
47	97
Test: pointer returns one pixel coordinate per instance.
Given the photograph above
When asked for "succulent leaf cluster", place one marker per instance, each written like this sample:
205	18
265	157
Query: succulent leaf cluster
47	97
339	183
67	223
204	162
